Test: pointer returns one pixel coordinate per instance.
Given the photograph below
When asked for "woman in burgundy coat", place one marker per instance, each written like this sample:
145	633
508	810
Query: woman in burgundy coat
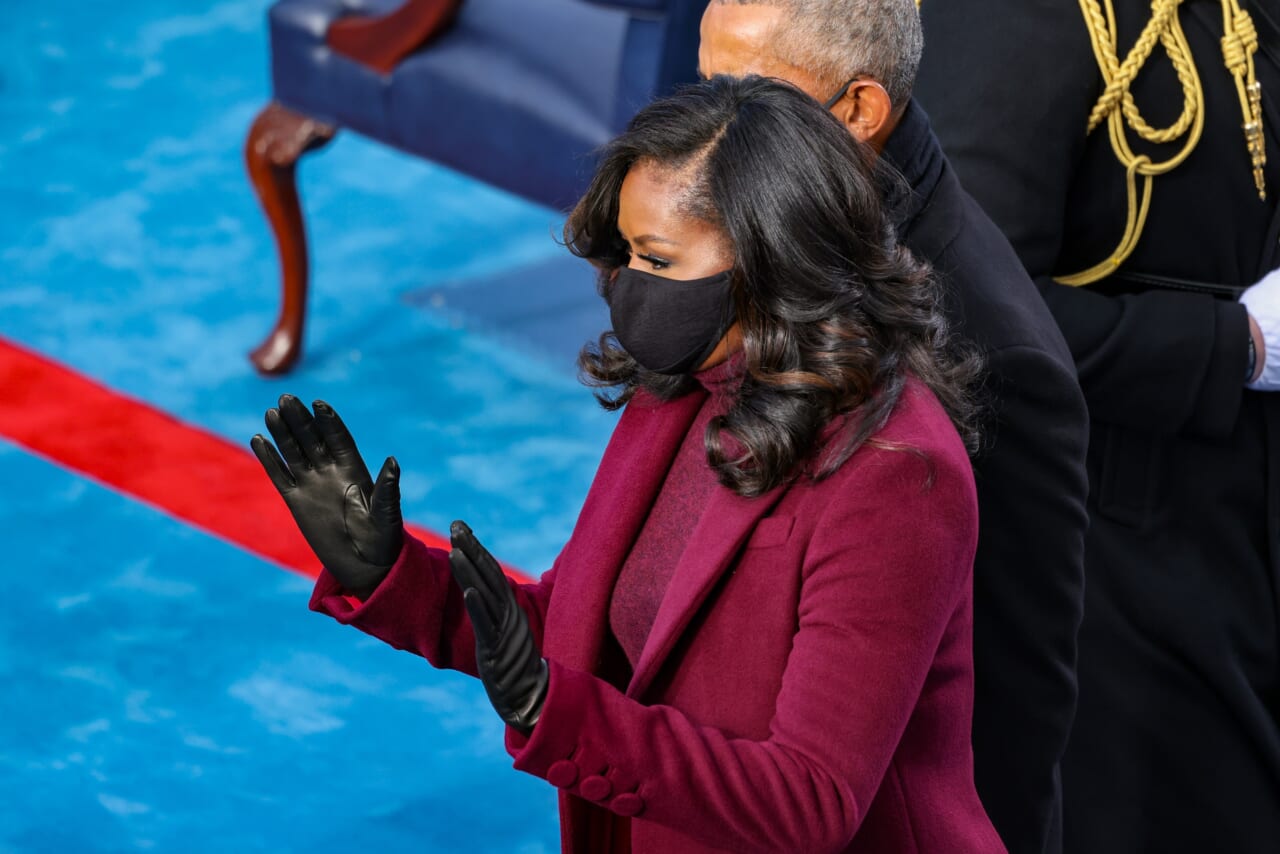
758	636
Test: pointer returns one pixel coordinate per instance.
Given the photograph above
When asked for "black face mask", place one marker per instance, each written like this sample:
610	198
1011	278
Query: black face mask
670	326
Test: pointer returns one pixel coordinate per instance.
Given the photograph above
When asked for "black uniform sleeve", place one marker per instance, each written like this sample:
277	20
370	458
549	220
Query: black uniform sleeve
1030	586
1009	85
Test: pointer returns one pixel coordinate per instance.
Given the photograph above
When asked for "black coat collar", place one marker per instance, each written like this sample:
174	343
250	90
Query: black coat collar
925	213
914	152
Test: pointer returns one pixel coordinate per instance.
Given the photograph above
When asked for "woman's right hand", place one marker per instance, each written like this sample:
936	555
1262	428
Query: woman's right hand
352	524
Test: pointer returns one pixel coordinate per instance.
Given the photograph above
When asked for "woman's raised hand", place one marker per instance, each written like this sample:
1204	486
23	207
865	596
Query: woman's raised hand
507	657
352	524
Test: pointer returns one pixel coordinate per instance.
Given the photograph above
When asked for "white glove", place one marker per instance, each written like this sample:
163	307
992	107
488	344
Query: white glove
1263	304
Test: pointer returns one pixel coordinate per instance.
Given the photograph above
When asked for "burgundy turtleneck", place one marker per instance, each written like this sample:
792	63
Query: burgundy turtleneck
652	560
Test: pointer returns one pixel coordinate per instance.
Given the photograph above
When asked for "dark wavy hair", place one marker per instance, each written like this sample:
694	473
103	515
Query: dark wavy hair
834	314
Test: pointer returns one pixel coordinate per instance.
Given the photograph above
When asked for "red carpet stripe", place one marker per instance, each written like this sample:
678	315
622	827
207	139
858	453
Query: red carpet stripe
146	454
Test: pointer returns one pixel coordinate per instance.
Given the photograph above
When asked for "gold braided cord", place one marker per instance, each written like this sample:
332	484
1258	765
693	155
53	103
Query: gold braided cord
1239	44
1116	106
1164	28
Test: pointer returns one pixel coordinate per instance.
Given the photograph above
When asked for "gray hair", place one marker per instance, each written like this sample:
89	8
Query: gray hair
837	40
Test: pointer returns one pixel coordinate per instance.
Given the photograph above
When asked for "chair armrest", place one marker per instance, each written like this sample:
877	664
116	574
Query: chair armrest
641	5
380	43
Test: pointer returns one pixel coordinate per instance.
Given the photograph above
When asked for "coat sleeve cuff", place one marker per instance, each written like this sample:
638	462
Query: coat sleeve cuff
419	577
562	749
554	737
1224	381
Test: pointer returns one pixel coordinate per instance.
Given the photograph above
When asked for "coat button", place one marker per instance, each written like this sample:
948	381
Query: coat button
595	788
628	805
562	774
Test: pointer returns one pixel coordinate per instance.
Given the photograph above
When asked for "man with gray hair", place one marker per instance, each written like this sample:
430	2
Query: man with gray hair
859	57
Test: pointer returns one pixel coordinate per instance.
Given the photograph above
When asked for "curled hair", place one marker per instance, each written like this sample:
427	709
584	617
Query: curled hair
834	314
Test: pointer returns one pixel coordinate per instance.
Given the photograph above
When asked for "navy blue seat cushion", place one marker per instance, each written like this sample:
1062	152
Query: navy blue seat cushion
516	93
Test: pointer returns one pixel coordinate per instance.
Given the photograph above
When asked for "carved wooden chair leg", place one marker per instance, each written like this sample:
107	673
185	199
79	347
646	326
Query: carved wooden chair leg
277	139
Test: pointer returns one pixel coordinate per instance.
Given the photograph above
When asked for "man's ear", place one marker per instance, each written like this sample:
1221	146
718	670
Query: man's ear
866	111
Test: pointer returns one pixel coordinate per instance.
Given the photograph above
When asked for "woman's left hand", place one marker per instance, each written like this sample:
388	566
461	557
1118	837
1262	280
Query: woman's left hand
507	657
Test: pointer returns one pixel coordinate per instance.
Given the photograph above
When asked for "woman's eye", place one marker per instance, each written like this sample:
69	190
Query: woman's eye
656	263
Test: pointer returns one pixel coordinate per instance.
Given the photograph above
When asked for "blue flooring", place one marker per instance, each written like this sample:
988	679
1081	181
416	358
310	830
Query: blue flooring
164	690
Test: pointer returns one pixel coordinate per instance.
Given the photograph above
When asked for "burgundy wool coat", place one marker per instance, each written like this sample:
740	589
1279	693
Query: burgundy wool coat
807	685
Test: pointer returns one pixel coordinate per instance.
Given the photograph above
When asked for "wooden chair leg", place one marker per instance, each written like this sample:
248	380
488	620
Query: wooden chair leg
276	140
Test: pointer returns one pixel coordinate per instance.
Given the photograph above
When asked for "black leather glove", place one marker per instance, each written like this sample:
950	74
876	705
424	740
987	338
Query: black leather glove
510	663
352	524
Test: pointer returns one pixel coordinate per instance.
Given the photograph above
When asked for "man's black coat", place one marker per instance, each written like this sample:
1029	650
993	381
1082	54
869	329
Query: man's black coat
1029	571
1177	740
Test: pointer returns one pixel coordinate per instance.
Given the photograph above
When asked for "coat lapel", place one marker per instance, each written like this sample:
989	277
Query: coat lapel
719	535
631	473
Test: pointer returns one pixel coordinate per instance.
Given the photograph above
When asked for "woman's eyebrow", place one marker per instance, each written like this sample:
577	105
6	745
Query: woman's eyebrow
655	238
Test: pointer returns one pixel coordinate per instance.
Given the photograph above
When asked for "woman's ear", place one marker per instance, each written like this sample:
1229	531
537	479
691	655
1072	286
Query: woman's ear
866	111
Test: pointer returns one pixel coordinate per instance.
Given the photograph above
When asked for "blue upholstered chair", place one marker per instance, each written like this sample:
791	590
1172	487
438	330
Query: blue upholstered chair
516	93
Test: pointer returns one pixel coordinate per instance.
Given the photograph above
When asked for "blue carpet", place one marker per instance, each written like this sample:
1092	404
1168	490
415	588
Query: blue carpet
165	691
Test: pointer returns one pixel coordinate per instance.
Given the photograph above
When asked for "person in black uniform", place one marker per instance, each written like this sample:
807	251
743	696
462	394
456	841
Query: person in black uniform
1169	300
859	57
